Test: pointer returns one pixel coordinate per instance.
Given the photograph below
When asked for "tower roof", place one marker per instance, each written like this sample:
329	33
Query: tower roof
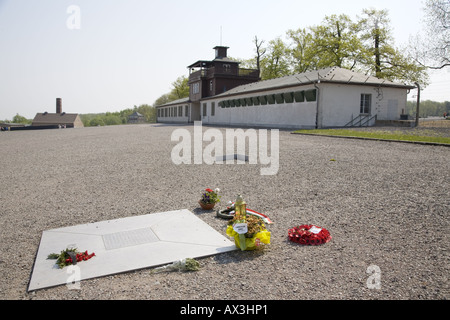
221	56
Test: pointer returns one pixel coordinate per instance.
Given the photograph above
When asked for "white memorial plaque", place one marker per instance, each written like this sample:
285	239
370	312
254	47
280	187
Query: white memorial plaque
129	238
127	244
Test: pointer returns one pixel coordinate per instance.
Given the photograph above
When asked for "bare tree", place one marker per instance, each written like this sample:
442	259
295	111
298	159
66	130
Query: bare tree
433	50
259	52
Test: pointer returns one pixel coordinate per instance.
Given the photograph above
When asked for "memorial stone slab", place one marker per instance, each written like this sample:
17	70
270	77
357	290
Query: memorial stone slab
126	244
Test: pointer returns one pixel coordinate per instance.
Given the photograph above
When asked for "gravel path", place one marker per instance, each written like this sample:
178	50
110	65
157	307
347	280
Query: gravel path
385	204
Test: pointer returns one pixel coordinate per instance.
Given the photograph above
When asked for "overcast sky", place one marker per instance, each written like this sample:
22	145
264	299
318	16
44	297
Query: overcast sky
121	53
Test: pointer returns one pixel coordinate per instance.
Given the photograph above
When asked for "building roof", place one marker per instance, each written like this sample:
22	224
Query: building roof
55	118
171	103
136	114
209	63
329	75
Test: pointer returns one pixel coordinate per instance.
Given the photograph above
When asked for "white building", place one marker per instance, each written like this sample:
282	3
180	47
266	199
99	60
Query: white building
332	97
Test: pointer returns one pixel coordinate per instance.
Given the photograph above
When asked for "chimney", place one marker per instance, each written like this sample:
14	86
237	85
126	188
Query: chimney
58	105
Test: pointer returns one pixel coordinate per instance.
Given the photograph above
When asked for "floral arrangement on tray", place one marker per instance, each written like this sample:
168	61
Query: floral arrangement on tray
309	235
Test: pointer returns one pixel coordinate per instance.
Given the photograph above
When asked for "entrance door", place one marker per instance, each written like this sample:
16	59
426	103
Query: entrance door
195	112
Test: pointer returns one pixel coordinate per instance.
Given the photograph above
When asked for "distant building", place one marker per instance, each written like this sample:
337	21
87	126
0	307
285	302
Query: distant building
136	117
68	120
223	94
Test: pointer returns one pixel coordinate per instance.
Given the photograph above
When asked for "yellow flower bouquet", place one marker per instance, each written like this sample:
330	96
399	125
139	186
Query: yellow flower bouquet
252	236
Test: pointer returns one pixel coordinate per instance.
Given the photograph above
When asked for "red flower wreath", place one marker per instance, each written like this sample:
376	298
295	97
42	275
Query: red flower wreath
304	236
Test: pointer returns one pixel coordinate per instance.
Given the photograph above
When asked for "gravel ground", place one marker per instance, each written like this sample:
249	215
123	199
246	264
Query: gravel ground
385	204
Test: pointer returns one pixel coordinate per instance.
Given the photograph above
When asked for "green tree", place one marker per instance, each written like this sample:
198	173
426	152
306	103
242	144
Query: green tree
111	119
180	89
125	113
165	98
119	117
381	58
300	51
335	43
275	64
20	119
97	121
148	112
428	108
365	46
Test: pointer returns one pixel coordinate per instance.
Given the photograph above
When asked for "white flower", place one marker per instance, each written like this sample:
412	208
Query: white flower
217	190
187	264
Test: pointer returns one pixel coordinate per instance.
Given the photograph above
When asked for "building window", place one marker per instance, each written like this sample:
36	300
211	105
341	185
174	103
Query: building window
213	109
311	95
204	110
180	111
186	111
211	85
366	103
196	88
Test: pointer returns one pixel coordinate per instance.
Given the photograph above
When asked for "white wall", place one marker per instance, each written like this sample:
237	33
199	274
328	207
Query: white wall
285	115
173	115
339	102
391	103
